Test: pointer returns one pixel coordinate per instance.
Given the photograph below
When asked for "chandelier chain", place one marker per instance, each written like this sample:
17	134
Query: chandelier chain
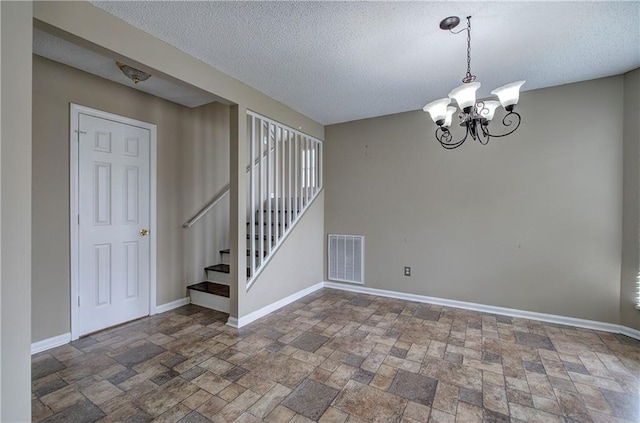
469	78
475	116
468	46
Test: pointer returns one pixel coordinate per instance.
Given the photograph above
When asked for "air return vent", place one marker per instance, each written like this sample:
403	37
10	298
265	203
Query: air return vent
346	258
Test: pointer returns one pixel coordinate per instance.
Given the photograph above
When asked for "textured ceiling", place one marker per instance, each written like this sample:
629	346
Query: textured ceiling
56	49
340	61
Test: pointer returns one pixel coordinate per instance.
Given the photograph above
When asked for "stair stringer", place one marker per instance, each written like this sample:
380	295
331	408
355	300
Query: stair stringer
281	241
294	265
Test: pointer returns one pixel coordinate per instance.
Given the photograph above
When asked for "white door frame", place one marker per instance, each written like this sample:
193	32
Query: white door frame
75	111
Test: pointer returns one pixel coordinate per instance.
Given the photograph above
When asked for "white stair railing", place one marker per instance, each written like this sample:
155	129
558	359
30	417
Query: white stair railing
211	203
284	176
208	207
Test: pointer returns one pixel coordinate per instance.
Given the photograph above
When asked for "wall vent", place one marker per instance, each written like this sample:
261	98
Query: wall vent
346	258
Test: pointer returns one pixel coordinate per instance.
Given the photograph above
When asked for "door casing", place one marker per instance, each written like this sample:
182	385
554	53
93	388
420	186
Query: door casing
75	111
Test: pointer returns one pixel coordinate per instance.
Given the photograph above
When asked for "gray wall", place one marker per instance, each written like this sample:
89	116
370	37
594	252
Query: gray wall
15	212
629	316
531	221
193	164
205	173
89	26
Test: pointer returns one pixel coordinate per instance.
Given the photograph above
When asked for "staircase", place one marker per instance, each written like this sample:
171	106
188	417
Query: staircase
214	293
284	176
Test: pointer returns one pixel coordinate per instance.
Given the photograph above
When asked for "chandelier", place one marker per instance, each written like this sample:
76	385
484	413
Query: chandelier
474	115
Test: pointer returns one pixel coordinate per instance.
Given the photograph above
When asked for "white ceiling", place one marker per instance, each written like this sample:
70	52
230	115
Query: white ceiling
340	61
56	49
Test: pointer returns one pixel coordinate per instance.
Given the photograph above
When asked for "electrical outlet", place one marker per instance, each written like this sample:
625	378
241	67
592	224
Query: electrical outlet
407	271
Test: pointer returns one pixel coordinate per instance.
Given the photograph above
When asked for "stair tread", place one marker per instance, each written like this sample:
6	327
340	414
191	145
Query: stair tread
258	237
224	268
228	251
212	288
273	222
279	211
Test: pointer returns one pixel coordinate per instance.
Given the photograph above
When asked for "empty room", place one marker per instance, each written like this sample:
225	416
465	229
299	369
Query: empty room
320	211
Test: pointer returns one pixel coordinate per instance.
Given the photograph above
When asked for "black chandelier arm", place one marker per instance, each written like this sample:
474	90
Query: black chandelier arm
443	135
507	121
483	136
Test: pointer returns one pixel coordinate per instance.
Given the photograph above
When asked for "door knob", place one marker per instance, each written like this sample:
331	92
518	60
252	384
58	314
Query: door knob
144	232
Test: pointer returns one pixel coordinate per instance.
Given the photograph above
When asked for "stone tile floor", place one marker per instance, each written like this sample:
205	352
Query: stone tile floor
335	356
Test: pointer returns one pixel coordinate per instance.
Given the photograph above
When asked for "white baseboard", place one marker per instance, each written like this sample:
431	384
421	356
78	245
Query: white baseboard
47	344
65	338
630	332
233	322
551	318
173	304
245	320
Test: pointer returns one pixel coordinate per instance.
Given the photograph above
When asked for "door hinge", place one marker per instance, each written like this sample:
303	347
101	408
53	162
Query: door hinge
77	131
78	219
78	300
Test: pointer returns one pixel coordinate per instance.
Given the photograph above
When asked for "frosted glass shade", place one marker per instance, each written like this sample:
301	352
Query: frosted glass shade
465	94
449	118
489	109
509	94
437	109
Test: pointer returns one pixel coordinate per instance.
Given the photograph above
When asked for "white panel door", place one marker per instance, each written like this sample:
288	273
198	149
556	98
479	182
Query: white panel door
113	224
